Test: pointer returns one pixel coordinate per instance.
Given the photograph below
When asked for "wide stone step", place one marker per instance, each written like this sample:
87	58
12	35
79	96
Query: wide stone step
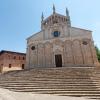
60	87
54	73
47	83
51	74
51	71
39	78
52	88
60	69
47	76
48	86
97	79
78	95
52	91
51	80
58	81
74	69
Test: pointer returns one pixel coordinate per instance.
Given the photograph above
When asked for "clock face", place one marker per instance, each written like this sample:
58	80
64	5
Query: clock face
56	33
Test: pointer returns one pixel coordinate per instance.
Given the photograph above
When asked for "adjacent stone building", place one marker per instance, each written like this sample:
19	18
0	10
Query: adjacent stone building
12	61
58	44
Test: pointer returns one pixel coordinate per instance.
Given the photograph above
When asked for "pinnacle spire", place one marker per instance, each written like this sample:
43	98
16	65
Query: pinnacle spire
54	10
67	12
42	17
68	17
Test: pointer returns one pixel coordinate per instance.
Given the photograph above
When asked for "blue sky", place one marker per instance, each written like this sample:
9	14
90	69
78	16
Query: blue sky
21	18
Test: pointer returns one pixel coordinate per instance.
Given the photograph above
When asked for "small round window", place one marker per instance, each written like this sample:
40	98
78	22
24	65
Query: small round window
33	48
85	43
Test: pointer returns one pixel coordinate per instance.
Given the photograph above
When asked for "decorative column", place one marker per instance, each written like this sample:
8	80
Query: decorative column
95	60
73	53
82	52
27	66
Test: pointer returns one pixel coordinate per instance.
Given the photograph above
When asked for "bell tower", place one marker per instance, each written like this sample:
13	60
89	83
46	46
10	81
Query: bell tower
56	25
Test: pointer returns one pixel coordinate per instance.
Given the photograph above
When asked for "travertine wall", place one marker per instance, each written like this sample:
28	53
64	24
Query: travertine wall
74	53
74	45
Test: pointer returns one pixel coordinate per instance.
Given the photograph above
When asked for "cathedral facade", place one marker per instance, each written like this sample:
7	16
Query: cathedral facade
58	44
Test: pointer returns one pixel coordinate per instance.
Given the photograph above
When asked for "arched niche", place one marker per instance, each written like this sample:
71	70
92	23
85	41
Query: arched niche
33	54
68	52
48	54
58	42
77	52
94	55
40	55
87	52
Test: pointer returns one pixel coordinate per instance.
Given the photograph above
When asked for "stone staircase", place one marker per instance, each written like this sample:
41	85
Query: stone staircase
57	81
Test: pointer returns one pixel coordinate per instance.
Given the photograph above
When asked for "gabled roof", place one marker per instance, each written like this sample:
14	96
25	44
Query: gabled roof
11	52
33	35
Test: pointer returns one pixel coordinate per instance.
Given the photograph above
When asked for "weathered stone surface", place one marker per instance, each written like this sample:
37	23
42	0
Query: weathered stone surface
74	46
